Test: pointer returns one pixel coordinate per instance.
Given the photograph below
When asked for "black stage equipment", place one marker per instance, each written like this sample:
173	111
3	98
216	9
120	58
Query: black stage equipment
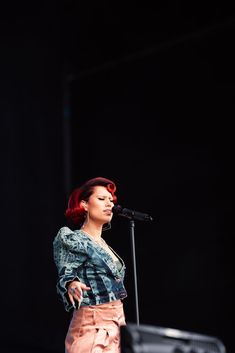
154	339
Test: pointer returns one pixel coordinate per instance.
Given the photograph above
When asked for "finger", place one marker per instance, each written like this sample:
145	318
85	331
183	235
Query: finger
74	294
87	288
71	300
77	292
74	290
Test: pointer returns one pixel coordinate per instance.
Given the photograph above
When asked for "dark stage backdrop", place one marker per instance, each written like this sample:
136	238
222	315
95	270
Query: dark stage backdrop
152	124
32	179
169	147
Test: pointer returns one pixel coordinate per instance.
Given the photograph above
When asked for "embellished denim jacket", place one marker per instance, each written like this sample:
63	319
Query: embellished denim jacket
77	257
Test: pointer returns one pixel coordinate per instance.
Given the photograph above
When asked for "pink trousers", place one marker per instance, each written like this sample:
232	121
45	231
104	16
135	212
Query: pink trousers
96	329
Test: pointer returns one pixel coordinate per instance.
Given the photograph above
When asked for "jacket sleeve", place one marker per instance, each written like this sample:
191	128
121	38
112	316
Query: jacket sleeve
69	255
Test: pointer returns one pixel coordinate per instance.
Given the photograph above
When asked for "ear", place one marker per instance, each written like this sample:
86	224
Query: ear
83	204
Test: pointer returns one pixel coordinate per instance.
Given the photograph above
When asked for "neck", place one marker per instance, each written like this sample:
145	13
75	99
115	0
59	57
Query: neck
93	231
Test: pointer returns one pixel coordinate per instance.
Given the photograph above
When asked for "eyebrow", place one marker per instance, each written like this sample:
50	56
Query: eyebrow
98	195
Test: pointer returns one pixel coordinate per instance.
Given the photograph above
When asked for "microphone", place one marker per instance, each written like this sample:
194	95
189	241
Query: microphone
131	214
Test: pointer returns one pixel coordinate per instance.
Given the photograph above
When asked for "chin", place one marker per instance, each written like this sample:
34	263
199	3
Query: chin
108	219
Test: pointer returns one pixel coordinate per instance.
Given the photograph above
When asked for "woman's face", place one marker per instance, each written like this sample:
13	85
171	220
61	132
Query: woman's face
100	204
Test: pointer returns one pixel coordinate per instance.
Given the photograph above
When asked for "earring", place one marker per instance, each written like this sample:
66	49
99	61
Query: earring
86	219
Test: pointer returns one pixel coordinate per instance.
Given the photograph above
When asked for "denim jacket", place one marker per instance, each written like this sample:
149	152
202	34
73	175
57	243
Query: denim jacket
77	257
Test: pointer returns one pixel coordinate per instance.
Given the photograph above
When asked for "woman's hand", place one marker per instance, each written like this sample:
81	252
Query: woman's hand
75	291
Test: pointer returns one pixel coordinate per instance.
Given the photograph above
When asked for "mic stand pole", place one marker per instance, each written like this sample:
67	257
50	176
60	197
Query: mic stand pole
132	225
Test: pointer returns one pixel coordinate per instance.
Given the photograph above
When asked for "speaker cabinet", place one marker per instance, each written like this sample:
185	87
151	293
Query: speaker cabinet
153	339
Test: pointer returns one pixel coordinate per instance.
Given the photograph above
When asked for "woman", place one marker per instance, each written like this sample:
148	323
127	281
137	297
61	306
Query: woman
90	272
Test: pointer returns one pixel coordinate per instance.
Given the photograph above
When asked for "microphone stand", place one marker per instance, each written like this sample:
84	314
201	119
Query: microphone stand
132	225
131	215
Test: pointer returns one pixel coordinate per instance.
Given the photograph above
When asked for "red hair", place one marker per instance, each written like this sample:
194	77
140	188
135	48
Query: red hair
75	212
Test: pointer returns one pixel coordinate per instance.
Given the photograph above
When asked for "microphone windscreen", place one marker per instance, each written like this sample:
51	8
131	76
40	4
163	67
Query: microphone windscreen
117	209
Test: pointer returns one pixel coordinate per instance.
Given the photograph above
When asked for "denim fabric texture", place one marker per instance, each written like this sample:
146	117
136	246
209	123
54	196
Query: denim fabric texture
77	257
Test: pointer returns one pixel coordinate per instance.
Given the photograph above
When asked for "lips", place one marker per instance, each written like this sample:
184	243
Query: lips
108	212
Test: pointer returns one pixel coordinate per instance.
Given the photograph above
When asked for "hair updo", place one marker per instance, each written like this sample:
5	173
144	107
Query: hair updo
75	213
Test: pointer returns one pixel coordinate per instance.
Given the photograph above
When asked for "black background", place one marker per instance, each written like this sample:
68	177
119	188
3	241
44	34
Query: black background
144	95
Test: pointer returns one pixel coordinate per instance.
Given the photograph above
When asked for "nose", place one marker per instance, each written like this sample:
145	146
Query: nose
109	203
